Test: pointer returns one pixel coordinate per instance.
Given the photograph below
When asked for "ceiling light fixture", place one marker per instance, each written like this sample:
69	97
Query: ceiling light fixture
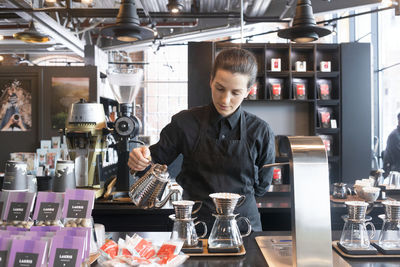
31	35
127	27
175	6
304	28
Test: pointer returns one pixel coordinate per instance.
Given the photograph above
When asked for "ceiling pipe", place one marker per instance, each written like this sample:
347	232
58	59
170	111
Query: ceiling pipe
112	13
56	31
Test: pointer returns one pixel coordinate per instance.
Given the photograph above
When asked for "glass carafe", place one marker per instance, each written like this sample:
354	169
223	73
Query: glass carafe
225	232
389	237
185	229
355	234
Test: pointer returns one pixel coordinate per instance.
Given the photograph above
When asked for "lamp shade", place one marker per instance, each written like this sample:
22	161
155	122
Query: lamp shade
175	6
31	35
304	28
127	27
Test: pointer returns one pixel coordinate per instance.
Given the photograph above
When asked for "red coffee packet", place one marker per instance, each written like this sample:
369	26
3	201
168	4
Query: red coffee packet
110	248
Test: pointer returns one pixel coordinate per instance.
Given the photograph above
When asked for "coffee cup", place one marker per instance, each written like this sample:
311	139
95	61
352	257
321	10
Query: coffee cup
371	194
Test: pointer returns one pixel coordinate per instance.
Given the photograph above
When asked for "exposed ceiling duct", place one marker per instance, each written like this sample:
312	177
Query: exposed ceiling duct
71	25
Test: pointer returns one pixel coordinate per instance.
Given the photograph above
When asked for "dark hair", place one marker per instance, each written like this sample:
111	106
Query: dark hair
236	60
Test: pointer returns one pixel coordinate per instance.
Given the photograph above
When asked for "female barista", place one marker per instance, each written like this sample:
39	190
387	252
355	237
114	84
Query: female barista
223	146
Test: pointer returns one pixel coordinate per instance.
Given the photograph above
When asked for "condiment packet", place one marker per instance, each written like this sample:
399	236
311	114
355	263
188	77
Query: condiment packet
5	246
109	249
27	253
139	246
18	208
168	251
78	204
67	251
48	209
122	250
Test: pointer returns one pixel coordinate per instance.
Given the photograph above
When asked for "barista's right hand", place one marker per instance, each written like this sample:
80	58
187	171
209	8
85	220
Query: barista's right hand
139	158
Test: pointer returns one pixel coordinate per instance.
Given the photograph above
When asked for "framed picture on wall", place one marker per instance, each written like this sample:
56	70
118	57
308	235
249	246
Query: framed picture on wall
15	105
66	91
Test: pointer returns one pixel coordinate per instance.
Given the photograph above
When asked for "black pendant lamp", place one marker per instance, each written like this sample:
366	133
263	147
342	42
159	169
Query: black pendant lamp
304	28
31	35
175	6
127	27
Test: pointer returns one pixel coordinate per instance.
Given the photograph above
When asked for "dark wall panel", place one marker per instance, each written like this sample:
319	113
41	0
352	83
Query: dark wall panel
200	59
356	110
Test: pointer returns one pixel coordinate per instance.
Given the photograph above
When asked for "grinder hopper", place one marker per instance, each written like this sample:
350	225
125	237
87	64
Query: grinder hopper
125	84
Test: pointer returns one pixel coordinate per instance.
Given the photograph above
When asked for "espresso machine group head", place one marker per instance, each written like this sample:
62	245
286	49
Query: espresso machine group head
125	84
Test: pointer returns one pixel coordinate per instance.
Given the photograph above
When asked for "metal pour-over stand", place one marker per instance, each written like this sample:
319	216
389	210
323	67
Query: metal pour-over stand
125	84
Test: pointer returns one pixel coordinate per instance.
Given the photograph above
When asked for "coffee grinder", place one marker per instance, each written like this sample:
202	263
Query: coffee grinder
86	133
125	83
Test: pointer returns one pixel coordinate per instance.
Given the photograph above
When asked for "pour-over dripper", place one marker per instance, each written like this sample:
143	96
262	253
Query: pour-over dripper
225	203
125	83
389	237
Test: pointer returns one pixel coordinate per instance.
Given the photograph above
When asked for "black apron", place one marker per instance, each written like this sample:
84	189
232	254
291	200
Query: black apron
220	166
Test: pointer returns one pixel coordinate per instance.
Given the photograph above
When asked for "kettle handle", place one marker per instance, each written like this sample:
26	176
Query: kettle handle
200	203
241	201
372	228
248	225
205	228
161	203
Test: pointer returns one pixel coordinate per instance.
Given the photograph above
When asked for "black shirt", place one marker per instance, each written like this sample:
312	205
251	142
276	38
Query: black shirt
181	134
391	160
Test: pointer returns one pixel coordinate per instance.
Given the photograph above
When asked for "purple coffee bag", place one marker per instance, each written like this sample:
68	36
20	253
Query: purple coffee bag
19	206
27	253
67	251
78	203
48	206
5	245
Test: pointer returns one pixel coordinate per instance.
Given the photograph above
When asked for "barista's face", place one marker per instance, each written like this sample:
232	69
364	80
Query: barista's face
228	91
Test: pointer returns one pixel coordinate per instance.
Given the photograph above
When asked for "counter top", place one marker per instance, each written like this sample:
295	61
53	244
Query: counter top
274	208
253	255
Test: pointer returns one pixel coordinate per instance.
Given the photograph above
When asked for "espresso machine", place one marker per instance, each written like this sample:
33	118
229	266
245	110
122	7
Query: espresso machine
125	83
86	132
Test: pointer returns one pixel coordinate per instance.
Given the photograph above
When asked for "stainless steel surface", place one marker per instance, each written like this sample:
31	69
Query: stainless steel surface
277	252
88	116
184	208
311	222
225	203
145	191
392	210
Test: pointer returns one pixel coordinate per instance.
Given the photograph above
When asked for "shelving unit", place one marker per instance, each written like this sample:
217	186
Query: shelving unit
288	115
291	80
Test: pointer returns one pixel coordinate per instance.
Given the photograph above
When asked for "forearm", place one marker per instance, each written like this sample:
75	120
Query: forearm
265	174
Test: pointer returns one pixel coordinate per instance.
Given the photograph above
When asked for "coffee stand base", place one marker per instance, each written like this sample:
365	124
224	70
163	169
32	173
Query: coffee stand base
375	256
206	253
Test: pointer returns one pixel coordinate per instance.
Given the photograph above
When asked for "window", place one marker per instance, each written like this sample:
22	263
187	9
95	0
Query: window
165	89
389	66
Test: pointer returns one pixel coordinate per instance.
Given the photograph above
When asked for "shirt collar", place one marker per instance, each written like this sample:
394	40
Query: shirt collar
232	119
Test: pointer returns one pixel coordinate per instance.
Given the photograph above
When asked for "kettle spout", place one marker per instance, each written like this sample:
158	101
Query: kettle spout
161	203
